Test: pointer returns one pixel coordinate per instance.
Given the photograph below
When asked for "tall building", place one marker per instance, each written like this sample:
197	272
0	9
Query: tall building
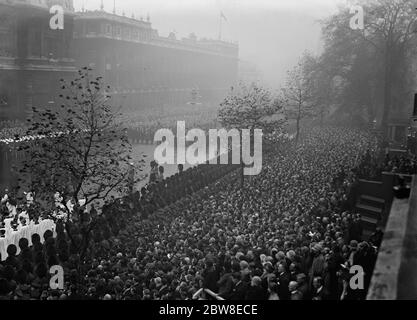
145	69
33	57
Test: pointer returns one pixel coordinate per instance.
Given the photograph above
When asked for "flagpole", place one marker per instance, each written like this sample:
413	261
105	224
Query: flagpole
220	27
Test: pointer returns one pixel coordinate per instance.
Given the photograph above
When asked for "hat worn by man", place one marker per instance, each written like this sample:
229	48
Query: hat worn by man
317	248
353	244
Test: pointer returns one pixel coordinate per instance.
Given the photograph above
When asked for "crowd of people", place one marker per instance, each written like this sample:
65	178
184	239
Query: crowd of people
290	233
11	129
142	128
138	133
374	165
161	192
400	164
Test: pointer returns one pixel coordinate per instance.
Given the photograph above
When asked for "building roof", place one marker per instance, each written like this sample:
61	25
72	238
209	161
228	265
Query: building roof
103	15
191	43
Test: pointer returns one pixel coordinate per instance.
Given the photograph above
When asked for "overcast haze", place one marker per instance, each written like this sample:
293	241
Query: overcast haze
271	33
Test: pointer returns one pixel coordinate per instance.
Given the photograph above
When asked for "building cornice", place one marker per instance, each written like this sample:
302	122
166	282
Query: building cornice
102	15
206	46
157	42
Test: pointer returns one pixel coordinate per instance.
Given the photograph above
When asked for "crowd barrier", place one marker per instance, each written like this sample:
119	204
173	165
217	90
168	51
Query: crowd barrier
202	291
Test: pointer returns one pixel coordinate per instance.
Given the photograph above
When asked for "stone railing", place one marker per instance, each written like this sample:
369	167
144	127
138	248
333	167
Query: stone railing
395	273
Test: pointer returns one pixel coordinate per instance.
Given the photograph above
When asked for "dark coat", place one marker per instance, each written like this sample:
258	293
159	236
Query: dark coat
296	295
256	293
283	282
239	291
320	295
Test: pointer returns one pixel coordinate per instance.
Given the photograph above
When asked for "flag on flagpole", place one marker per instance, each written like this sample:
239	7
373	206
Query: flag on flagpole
223	16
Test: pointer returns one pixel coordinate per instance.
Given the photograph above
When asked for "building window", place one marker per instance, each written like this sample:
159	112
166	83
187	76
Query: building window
4	100
135	34
7	33
108	29
6	44
118	31
92	27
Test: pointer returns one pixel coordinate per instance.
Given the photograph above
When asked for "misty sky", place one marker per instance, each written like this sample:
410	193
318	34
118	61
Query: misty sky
271	33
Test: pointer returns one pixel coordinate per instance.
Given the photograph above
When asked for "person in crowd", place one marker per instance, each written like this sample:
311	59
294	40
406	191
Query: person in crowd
256	291
319	292
225	283
161	174
211	276
302	286
295	294
180	168
283	282
273	291
153	176
241	286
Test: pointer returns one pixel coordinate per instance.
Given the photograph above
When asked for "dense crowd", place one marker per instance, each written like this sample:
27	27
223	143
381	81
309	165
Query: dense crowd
289	233
401	164
373	166
141	128
162	192
11	129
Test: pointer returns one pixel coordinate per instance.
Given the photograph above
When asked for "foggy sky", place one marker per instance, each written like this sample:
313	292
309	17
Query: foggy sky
270	33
